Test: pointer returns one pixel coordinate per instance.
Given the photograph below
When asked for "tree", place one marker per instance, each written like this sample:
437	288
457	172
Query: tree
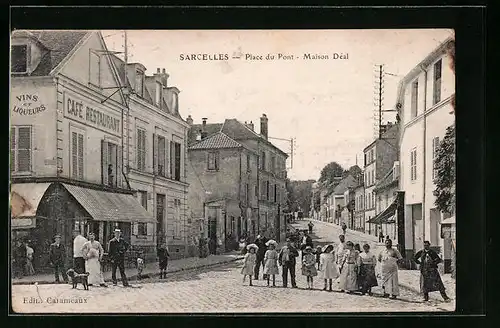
330	171
445	177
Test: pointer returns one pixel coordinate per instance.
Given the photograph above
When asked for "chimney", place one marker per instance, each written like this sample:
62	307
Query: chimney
203	130
157	71
250	126
189	120
163	71
263	126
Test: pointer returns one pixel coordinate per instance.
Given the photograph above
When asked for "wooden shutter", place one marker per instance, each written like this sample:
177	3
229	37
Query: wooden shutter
155	153
119	166
165	161
172	159
104	162
150	229
80	156
12	149
74	154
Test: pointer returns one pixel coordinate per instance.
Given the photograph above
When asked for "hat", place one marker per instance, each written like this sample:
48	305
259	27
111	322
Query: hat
326	246
57	236
118	230
252	246
271	242
308	248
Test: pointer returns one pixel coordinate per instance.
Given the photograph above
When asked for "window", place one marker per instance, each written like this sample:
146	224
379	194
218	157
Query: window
414	99
373	177
111	163
366	160
161	156
20	149
249	169
273	164
139	83
95	69
160	214
373	154
19	59
373	200
435	148
413	164
213	161
143	198
437	82
267	190
275	193
141	150
247	193
177	219
158	93
175	162
256	190
263	161
77	155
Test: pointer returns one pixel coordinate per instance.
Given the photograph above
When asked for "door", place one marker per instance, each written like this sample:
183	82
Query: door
418	226
435	218
160	214
212	234
238	228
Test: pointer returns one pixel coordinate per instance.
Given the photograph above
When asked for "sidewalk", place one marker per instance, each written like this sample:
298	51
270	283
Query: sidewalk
409	279
151	269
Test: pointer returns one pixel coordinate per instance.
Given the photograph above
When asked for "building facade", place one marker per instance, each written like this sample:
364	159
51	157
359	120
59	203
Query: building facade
385	195
67	133
379	157
425	108
336	200
359	209
155	160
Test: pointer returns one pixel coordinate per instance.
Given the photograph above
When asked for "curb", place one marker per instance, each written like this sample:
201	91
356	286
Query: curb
134	277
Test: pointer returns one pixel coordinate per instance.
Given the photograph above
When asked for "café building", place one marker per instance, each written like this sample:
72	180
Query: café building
67	142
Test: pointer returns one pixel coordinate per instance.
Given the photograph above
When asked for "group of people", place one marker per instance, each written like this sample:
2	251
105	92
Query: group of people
354	268
22	259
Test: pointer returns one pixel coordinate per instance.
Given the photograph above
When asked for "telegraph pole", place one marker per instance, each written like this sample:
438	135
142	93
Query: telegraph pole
126	47
379	100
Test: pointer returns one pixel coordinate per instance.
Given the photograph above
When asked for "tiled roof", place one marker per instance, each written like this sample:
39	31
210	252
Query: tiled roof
59	44
216	141
209	128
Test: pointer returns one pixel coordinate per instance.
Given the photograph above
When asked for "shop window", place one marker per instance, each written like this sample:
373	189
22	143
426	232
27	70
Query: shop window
19	58
20	149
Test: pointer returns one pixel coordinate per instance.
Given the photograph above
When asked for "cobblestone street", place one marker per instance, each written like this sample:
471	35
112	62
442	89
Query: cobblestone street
217	289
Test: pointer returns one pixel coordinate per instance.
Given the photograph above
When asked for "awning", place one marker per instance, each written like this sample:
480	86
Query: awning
109	206
385	215
25	198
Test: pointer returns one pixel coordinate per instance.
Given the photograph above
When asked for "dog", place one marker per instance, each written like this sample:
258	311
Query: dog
76	278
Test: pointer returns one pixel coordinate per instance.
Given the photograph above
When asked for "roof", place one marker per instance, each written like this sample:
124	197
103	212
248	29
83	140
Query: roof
58	43
216	141
387	181
390	133
342	186
209	128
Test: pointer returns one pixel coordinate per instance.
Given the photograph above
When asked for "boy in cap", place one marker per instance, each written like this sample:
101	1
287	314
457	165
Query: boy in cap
57	254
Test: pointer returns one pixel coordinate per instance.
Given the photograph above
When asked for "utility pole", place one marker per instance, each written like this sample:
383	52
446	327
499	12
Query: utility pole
126	46
379	101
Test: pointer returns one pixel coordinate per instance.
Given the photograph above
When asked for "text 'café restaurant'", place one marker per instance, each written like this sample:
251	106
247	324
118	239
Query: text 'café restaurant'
66	158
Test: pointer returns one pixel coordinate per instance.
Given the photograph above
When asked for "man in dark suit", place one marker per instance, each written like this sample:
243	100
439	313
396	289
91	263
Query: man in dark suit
287	259
117	248
261	252
57	255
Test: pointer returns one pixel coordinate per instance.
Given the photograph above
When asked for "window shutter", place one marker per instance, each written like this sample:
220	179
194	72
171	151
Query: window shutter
172	159
80	156
155	153
165	154
104	162
150	229
119	166
12	149
24	149
182	159
135	228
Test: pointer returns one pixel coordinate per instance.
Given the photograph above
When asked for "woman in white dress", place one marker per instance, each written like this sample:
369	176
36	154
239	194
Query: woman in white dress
389	258
327	266
93	253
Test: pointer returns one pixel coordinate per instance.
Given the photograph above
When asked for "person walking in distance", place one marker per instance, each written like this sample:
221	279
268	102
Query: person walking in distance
430	280
287	259
78	259
344	228
57	255
310	225
117	248
163	256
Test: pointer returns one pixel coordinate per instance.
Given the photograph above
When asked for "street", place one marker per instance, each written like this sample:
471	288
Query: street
217	289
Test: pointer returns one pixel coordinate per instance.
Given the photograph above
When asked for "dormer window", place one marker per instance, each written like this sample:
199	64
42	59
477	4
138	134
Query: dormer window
158	94
139	83
19	59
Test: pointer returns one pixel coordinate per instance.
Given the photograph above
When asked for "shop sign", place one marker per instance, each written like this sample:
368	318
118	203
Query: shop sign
84	113
27	104
20	223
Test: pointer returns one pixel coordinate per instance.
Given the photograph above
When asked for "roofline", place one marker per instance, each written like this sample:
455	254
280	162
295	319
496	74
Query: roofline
66	59
371	144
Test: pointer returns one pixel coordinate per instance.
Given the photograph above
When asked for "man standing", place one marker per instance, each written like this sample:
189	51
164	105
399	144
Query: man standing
339	252
57	255
310	225
20	259
287	259
78	260
430	280
344	227
261	252
117	248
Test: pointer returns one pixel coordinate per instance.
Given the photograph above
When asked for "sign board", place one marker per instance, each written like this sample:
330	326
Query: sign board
23	223
27	104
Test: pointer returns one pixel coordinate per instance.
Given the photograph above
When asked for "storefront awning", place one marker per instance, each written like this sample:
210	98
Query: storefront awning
25	198
109	206
385	215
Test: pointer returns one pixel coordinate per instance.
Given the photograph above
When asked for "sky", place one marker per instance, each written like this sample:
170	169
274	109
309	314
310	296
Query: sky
325	105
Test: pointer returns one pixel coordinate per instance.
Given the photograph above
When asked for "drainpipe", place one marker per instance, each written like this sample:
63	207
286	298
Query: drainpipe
258	187
239	223
424	154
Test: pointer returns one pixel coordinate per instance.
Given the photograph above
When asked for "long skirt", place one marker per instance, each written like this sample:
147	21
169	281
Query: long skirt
366	277
430	281
348	278
309	270
248	269
271	267
390	281
93	267
163	264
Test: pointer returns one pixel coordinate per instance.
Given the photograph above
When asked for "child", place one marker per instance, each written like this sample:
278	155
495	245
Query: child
249	262
271	261
309	266
140	264
318	255
163	256
328	267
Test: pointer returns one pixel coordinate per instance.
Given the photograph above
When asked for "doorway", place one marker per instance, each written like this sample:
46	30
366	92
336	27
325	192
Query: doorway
418	226
435	219
212	234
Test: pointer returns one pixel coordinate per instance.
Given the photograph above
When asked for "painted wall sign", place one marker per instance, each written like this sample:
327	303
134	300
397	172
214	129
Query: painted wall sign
80	111
27	104
23	223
